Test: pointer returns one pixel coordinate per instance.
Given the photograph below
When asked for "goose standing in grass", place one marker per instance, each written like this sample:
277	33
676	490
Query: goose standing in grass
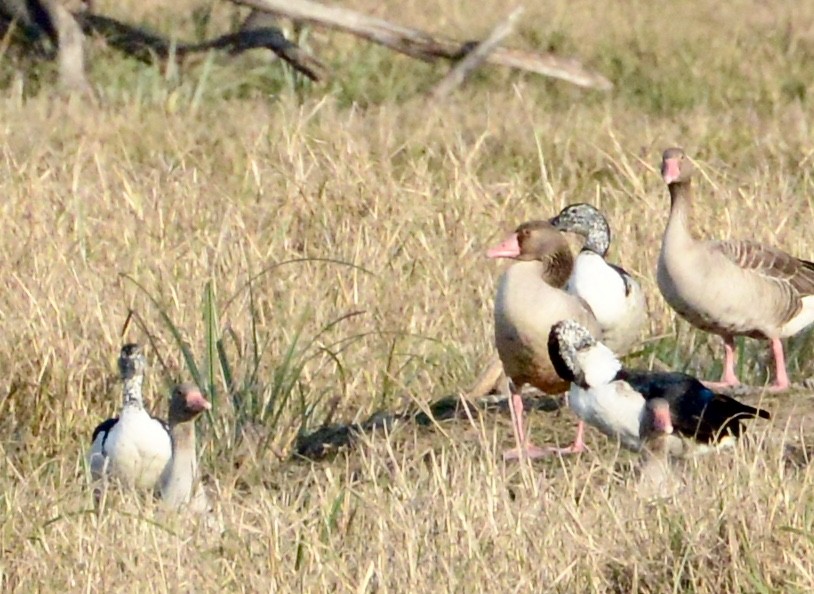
134	447
730	288
178	484
615	400
530	300
614	296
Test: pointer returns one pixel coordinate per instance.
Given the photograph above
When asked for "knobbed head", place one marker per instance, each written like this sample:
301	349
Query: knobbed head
578	357
541	241
565	340
132	362
588	221
186	403
676	167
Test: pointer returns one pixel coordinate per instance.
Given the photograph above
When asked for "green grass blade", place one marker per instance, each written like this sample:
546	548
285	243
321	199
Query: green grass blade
210	319
189	357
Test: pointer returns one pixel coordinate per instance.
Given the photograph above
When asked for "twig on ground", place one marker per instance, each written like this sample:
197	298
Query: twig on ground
475	57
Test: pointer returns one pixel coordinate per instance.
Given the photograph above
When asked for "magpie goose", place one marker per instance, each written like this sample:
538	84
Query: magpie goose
614	400
614	296
134	447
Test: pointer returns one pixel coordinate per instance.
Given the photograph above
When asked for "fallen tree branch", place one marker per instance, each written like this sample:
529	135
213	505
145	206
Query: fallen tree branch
147	47
475	57
422	45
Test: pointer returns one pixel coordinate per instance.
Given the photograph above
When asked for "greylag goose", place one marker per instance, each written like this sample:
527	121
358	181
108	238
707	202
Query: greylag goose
178	483
657	478
614	400
530	300
615	298
730	288
134	447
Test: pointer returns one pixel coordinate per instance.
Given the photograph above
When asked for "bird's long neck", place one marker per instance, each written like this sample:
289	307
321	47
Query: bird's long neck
557	267
678	226
183	467
598	240
131	392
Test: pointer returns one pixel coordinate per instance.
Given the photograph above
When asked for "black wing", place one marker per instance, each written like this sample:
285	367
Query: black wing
104	427
696	410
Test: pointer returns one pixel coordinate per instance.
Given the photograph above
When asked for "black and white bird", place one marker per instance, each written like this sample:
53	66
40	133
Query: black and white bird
178	485
614	296
615	400
133	448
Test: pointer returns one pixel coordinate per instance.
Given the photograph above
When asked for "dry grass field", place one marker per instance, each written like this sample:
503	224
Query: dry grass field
179	197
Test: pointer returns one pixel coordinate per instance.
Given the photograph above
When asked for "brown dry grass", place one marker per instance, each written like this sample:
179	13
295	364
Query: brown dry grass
202	177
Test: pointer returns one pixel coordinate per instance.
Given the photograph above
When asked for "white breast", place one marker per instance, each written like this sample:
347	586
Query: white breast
601	286
138	448
615	409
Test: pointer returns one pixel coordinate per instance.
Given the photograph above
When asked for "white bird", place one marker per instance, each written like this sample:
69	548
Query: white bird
134	447
616	299
615	400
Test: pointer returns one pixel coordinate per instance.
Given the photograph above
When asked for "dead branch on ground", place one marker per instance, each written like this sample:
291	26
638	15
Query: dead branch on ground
475	57
422	45
148	47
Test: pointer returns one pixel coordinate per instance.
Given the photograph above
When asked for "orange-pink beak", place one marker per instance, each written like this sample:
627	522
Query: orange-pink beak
196	402
508	248
662	420
670	170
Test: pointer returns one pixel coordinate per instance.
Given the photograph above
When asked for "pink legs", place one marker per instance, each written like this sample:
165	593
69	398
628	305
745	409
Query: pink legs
781	378
526	450
523	449
729	362
729	379
579	443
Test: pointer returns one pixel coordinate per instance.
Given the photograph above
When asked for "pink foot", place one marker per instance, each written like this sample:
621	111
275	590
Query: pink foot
776	387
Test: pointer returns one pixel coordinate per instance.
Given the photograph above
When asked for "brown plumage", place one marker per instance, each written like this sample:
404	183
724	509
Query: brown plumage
730	288
530	300
794	277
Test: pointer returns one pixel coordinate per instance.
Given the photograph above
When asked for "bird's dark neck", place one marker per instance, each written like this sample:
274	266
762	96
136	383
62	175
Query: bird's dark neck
557	267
